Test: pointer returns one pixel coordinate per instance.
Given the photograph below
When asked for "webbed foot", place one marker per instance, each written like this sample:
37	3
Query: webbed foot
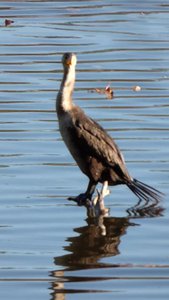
82	200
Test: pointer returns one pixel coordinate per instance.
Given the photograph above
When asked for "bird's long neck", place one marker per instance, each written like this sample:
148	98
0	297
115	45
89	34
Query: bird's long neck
64	98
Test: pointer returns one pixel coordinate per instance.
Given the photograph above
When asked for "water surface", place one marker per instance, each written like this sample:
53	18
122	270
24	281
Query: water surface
48	247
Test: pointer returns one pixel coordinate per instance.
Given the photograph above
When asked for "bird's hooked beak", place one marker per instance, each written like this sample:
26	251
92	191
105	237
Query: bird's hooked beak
70	59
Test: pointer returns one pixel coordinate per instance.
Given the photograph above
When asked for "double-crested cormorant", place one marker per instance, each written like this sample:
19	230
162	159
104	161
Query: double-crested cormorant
94	151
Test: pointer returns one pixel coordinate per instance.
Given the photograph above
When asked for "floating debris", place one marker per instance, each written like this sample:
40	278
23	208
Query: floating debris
8	22
136	88
108	91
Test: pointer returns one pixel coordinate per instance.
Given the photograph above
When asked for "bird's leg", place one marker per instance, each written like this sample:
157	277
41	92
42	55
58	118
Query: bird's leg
85	198
98	210
98	201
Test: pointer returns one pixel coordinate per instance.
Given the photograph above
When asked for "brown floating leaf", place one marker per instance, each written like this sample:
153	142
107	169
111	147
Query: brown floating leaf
108	91
8	22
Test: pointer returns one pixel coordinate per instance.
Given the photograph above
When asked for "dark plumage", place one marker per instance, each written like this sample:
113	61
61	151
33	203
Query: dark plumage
95	152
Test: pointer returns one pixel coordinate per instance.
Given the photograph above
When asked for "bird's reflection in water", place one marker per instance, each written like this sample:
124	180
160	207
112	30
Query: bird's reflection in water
100	238
90	245
86	250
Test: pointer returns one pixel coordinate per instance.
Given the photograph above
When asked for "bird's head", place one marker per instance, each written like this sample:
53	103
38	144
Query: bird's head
69	59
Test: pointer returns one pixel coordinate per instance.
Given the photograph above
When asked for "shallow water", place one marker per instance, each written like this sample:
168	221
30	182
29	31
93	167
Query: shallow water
48	247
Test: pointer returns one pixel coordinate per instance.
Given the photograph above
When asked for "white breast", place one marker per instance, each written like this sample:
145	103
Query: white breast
65	124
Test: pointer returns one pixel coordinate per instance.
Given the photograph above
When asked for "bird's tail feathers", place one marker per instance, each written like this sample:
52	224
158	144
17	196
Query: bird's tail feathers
144	191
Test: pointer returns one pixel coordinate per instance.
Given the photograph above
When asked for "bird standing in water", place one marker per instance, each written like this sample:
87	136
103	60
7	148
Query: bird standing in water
94	151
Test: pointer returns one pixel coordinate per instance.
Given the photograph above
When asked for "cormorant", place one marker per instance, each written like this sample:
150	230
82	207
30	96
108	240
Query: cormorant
93	149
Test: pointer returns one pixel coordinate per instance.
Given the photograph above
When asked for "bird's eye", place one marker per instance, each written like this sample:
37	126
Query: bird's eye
67	55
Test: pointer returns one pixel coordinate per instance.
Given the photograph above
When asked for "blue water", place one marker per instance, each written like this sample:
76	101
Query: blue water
48	247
